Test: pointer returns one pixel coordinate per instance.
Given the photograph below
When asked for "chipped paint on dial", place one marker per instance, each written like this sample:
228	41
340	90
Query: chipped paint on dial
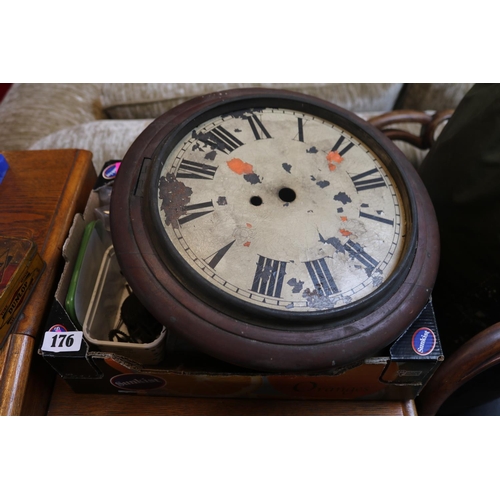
292	224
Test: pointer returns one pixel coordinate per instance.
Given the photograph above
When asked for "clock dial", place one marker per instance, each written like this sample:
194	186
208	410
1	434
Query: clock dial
281	209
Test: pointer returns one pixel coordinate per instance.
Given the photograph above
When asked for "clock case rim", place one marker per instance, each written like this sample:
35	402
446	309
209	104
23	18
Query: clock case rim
234	306
229	338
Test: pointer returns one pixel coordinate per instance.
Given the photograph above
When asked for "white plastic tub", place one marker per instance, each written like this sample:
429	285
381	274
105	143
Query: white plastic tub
103	315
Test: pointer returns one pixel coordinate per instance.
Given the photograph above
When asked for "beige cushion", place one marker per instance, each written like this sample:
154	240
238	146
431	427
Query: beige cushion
106	139
110	139
439	96
31	111
150	100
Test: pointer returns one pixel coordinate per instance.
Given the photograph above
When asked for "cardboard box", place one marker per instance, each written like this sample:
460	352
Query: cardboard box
172	367
398	374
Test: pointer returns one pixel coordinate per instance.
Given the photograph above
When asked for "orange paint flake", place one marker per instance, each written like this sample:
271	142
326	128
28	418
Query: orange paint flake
345	232
343	218
249	225
239	166
246	244
333	157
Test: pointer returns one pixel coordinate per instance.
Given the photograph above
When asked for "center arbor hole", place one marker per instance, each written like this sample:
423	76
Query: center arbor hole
256	201
287	194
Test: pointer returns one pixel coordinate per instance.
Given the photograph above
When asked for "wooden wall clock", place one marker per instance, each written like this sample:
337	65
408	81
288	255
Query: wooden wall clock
274	230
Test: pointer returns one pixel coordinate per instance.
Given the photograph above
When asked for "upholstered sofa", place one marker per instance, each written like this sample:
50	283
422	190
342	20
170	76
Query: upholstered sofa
106	118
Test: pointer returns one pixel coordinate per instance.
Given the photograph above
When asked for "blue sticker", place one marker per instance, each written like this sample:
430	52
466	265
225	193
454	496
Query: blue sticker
423	341
4	166
58	328
111	170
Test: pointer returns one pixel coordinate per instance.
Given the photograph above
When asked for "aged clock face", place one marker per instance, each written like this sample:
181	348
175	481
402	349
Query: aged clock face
274	230
281	209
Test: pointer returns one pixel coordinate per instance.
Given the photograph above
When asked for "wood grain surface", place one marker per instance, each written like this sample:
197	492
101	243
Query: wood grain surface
66	402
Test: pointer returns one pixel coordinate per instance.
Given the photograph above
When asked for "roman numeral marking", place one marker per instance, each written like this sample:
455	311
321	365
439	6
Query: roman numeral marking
216	257
196	211
356	251
321	277
268	278
362	185
376	218
300	125
339	143
193	170
221	139
254	122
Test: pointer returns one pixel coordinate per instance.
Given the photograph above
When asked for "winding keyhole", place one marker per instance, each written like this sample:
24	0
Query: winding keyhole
287	194
256	201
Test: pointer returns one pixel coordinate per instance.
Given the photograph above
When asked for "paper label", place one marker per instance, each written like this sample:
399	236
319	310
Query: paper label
59	341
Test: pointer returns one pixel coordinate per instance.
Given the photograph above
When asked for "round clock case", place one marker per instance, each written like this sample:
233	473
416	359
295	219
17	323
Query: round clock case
274	230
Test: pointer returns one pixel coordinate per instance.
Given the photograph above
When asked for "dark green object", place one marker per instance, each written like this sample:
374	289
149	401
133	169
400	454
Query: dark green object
70	303
462	175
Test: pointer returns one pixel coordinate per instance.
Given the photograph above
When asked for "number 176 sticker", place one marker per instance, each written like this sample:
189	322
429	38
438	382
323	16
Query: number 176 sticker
57	340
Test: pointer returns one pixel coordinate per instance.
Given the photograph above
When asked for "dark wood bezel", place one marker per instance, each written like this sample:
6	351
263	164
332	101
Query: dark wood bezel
264	342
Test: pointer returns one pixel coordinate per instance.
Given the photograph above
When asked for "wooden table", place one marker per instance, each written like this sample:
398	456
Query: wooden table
38	199
66	402
39	196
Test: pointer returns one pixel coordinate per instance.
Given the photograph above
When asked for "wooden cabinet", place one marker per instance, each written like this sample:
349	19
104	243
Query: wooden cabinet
39	195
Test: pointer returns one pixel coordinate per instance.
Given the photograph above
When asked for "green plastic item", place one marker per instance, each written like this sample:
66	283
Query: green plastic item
94	242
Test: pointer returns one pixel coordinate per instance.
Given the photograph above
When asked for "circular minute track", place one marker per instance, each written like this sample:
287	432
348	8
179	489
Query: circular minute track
282	209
